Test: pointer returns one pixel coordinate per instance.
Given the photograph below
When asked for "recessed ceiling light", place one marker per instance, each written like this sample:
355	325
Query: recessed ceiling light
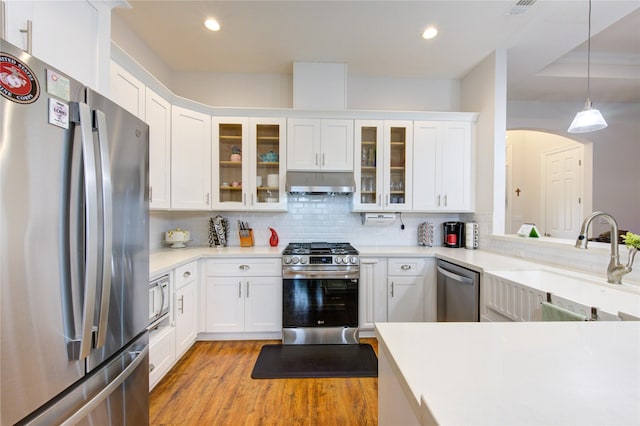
430	33
212	24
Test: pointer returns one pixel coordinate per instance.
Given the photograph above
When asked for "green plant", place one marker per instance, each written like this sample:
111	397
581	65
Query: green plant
632	240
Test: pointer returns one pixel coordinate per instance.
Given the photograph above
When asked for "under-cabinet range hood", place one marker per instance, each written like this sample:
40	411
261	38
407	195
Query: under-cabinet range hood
320	183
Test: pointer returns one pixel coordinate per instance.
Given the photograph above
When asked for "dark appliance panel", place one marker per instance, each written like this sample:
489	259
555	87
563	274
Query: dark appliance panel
320	302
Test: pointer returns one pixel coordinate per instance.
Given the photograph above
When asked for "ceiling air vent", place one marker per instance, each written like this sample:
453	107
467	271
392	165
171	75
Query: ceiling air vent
521	6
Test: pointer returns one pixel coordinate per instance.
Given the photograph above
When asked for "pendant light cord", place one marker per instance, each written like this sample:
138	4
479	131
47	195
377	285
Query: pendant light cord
589	58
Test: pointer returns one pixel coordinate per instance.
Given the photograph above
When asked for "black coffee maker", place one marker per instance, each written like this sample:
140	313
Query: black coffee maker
453	234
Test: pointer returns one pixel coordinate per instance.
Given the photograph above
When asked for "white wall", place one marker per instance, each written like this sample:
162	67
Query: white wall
276	90
616	151
527	148
483	90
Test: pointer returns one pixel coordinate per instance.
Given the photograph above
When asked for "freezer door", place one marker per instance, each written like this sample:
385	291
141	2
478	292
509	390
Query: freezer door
35	164
122	310
115	394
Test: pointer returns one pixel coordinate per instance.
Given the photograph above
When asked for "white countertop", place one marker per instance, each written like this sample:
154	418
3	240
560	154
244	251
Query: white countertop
534	373
162	260
615	297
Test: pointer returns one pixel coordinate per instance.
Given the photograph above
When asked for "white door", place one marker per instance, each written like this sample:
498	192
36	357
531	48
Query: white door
158	117
337	145
303	147
563	192
190	159
263	304
225	304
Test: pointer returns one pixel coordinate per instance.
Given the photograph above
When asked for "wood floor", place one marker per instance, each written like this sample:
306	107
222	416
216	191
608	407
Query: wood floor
212	385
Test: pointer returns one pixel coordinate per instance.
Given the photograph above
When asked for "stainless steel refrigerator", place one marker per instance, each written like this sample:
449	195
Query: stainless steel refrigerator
74	265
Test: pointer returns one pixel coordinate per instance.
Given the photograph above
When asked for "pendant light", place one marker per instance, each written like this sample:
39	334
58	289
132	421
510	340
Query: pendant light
589	119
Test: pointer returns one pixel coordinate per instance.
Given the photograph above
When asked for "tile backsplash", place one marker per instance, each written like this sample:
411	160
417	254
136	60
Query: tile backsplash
329	218
309	218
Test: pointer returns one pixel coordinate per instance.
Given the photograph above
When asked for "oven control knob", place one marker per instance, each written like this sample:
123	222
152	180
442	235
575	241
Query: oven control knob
341	259
303	260
295	260
287	260
353	260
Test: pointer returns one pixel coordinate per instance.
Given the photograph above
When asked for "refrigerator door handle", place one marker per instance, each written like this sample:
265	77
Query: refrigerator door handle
79	344
137	357
107	222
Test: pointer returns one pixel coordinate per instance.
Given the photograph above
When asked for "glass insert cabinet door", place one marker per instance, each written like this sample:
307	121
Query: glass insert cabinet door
369	165
268	143
397	165
384	168
232	144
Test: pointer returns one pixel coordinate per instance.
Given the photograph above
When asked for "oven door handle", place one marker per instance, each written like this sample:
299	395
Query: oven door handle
321	274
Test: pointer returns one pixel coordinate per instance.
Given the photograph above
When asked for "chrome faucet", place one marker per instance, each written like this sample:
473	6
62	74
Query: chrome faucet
615	270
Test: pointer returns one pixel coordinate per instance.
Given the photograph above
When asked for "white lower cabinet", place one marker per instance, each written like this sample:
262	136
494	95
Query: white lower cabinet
405	286
372	305
243	295
176	334
505	300
185	308
162	353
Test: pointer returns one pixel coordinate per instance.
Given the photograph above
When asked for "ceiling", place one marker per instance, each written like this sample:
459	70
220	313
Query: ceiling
545	40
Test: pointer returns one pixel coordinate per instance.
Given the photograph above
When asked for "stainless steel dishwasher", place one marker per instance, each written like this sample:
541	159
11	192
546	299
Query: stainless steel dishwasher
458	292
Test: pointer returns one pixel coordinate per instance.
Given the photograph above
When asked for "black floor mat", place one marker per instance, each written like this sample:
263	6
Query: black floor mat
307	361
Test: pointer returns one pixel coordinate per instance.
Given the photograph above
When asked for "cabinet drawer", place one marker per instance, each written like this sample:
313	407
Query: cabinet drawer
407	266
250	267
162	353
186	274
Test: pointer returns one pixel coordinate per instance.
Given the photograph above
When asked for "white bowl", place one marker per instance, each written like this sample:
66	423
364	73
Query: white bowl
177	235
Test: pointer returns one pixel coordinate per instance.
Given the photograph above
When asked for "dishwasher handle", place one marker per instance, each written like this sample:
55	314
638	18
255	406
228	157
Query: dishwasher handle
455	277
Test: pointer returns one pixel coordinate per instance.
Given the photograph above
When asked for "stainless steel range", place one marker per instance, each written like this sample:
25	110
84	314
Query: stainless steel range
320	293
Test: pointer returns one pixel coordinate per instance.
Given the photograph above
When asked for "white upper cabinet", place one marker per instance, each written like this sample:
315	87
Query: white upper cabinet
230	179
250	157
73	36
267	149
443	179
127	91
383	165
190	159
315	144
158	117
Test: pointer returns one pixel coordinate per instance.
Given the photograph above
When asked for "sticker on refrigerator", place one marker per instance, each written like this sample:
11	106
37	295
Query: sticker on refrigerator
58	113
58	85
17	82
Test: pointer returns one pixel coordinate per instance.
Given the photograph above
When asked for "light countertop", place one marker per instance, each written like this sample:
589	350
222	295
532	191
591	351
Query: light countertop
534	373
162	260
589	292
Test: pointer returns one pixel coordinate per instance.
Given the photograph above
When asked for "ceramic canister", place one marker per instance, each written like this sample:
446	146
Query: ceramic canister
471	235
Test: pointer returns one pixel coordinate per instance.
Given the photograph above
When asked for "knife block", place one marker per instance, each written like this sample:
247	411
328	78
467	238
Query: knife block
246	237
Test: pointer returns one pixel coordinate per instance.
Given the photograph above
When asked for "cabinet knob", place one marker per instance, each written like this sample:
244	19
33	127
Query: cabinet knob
186	274
405	267
244	267
151	367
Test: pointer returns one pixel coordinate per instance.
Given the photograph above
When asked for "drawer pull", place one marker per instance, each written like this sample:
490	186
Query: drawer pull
151	367
244	267
186	274
405	267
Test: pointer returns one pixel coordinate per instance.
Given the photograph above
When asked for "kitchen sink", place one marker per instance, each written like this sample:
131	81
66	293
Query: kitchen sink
583	289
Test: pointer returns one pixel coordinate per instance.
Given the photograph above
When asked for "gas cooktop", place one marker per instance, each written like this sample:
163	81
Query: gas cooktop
316	255
319	248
